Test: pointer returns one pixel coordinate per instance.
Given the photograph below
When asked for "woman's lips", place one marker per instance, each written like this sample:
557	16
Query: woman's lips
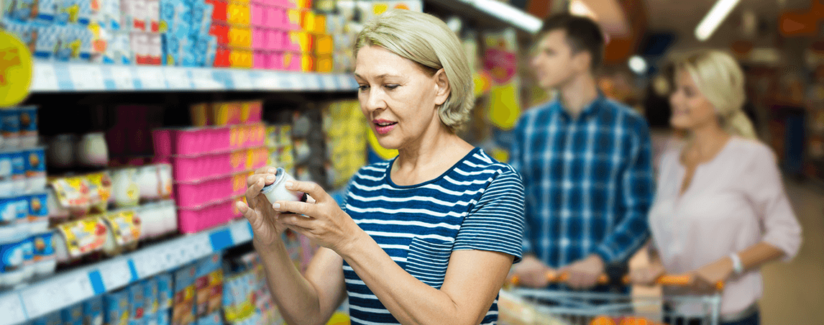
383	127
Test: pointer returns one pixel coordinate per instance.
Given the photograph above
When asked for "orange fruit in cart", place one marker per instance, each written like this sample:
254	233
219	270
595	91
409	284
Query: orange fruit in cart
602	320
635	321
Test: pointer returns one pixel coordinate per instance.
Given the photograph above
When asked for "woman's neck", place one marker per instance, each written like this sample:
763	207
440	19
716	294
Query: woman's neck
429	157
707	141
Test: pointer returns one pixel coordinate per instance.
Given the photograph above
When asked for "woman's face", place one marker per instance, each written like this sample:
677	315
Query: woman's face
690	109
398	97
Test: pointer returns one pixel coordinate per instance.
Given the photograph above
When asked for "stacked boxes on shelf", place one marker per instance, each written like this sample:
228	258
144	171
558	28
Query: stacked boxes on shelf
344	126
279	144
186	29
212	160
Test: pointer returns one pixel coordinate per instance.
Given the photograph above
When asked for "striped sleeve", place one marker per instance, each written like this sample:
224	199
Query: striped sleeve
496	223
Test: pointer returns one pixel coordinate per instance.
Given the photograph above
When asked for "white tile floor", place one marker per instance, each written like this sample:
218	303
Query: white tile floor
793	292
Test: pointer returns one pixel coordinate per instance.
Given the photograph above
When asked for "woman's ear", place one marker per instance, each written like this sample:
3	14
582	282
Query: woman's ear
442	87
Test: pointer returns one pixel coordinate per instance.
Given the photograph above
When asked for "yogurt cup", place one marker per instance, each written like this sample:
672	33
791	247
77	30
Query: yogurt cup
277	190
12	255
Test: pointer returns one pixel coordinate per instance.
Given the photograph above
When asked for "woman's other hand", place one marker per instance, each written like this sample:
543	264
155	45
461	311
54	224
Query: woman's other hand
532	273
647	275
709	275
322	221
263	219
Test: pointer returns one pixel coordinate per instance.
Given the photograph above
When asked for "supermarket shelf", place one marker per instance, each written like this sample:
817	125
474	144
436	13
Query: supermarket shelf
486	9
83	77
71	287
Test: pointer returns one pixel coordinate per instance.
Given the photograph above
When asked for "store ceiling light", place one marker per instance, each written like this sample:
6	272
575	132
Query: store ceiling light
579	8
508	13
713	19
637	64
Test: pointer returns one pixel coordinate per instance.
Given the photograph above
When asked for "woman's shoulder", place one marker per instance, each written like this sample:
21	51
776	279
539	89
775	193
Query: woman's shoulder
479	163
750	148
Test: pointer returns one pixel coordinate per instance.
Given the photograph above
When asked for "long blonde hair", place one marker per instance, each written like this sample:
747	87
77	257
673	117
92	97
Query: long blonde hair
721	80
427	41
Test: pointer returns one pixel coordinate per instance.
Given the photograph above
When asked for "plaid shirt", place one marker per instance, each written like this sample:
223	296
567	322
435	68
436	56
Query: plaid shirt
588	181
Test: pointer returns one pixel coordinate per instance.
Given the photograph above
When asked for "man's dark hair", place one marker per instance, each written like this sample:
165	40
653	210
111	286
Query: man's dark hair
582	34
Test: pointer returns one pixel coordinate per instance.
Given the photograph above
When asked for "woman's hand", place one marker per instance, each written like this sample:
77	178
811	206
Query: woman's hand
647	275
709	275
322	221
263	219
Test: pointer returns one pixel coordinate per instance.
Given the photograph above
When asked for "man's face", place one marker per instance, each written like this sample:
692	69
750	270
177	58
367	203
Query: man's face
554	61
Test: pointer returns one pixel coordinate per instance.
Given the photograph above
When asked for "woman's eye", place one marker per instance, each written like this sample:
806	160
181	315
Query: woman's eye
391	86
363	87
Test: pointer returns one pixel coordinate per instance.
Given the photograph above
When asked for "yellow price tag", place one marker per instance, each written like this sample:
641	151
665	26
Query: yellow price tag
15	70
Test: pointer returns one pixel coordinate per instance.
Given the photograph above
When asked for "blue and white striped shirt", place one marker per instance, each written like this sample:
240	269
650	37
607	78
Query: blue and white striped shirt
588	181
478	204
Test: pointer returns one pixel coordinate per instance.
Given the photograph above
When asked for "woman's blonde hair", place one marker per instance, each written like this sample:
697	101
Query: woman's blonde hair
721	80
427	41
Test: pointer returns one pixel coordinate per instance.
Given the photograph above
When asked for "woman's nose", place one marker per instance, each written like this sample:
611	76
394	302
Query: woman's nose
374	100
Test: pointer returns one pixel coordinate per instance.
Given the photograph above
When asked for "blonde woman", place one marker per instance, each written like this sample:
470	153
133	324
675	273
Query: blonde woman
720	211
426	238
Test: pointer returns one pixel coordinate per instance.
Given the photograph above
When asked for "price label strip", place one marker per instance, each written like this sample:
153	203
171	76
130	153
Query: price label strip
87	77
204	79
242	80
116	274
178	79
152	78
45	78
241	233
122	77
12	309
57	294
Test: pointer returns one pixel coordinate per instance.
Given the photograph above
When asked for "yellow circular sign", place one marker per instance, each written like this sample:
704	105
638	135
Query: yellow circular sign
382	152
15	70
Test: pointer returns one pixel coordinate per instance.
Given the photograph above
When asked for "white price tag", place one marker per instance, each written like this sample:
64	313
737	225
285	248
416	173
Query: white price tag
122	77
152	78
240	232
57	294
178	78
87	77
45	79
328	82
148	264
204	79
267	83
116	275
242	80
12	309
298	81
312	81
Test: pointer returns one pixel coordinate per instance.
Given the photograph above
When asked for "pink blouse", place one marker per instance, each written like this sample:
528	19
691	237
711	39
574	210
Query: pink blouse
734	201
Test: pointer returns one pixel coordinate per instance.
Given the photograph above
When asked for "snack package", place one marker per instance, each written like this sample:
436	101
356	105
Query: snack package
12	256
8	211
44	255
35	169
123	231
100	191
18	171
183	312
11	122
72	194
74	44
38	209
212	319
116	307
93	311
79	238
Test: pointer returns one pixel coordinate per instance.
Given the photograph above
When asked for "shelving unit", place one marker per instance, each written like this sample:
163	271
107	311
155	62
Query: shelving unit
81	77
70	287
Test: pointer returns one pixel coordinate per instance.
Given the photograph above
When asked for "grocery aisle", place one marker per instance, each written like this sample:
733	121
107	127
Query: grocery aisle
794	292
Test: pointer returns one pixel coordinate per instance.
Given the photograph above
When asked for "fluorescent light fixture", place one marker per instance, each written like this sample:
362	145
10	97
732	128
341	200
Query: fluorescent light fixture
637	64
508	13
579	8
720	10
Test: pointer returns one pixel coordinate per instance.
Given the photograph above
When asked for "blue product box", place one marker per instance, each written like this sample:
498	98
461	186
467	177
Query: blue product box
75	44
150	297
50	319
136	297
116	308
22	206
8	211
72	315
163	317
213	319
93	311
165	291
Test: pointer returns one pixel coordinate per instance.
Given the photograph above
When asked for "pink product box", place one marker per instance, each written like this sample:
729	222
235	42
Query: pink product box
260	61
275	17
258	14
186	168
192	220
190	141
195	193
275	39
259	38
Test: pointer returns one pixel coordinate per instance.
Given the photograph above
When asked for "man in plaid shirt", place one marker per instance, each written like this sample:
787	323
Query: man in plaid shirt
585	162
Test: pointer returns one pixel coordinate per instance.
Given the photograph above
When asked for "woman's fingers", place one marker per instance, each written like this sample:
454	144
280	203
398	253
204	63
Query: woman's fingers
314	190
253	190
296	207
296	221
247	212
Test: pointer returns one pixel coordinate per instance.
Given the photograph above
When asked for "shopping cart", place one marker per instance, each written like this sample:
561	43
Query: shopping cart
520	306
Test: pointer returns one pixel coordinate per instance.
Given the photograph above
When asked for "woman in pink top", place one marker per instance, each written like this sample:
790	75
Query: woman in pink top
720	211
